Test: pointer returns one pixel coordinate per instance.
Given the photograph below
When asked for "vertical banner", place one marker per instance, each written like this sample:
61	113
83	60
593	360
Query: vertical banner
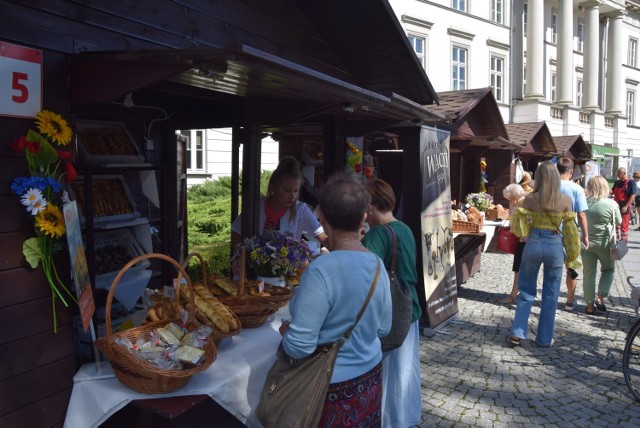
437	237
79	263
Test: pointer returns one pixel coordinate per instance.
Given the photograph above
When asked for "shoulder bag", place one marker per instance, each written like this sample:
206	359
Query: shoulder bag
618	249
402	302
294	391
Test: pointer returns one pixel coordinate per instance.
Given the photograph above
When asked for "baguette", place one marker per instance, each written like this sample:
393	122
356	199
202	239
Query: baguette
218	306
226	284
215	311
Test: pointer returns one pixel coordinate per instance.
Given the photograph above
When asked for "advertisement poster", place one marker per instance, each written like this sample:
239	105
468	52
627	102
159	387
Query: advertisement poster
79	263
437	237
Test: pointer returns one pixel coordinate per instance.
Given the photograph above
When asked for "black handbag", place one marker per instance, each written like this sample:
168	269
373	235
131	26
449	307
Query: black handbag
401	300
294	391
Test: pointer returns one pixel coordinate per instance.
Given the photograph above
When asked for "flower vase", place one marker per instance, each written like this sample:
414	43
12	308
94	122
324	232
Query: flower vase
273	280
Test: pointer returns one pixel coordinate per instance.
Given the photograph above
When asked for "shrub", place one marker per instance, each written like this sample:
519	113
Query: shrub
209	222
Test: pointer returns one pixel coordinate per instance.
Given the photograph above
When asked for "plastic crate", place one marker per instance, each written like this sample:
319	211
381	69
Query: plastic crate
122	241
106	142
112	201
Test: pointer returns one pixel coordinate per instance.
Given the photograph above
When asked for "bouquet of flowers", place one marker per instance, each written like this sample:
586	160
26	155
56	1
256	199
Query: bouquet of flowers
41	195
481	201
276	254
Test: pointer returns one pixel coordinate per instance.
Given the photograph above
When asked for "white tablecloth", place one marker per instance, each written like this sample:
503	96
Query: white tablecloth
234	380
489	228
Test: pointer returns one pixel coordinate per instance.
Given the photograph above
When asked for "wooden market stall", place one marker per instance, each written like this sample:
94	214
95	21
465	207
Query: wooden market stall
477	132
574	148
535	142
343	68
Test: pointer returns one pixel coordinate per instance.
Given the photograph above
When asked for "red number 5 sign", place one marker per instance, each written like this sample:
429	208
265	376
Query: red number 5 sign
20	80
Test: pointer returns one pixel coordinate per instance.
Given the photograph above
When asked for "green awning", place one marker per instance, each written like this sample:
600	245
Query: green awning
599	152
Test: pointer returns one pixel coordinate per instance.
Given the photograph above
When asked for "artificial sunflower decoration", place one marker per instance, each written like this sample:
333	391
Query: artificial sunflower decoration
53	126
41	195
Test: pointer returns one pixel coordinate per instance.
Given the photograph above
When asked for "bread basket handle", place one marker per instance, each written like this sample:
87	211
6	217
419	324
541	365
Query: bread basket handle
203	266
133	262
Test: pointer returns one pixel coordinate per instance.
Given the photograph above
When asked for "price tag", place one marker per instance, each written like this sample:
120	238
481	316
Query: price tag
170	292
20	80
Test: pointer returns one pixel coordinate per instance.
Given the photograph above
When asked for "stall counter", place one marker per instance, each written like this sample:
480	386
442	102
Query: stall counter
234	380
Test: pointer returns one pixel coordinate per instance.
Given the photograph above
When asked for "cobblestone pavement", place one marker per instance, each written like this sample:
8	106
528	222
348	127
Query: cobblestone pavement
471	377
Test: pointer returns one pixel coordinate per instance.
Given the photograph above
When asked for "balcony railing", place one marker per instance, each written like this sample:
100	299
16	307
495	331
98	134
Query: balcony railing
585	117
608	121
557	112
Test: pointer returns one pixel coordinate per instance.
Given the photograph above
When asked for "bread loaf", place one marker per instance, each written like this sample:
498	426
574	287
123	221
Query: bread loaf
219	314
226	284
218	306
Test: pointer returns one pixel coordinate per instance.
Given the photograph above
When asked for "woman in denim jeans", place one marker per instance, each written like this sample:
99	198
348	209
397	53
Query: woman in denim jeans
545	217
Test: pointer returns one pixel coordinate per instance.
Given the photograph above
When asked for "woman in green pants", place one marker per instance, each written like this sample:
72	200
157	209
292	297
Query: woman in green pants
599	218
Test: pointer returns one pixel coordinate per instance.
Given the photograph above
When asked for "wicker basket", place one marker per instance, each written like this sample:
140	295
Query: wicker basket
464	226
137	374
217	334
493	214
253	311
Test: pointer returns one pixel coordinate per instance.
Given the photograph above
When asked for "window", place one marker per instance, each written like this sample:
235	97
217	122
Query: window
459	5
579	89
553	86
497	77
195	150
633	52
631	108
524	80
580	47
554	27
419	44
525	13
458	68
496	11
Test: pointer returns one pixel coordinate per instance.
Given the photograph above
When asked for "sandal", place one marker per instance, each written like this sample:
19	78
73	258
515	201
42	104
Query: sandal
513	341
590	312
600	306
507	300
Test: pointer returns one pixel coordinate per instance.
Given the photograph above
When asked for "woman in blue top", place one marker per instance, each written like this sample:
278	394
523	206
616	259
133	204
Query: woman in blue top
331	292
401	399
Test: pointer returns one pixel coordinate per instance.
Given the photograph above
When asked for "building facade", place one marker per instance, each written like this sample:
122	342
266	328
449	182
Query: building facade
570	63
209	151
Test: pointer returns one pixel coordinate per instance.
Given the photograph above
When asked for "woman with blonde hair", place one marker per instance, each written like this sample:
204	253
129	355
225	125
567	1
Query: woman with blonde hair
545	217
282	210
601	215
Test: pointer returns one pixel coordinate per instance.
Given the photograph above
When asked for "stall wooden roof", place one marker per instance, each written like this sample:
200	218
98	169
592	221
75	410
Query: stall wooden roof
534	138
573	147
474	119
304	59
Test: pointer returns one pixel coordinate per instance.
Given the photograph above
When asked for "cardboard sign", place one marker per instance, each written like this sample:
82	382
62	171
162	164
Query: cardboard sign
20	80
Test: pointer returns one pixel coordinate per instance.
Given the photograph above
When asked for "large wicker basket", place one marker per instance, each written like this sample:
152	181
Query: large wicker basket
217	334
494	214
253	311
137	374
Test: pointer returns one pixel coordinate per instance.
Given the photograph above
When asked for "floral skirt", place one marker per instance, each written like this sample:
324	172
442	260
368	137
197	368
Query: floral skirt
354	403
